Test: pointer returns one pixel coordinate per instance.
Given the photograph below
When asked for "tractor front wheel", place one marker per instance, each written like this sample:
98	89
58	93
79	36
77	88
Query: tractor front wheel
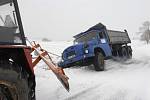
13	84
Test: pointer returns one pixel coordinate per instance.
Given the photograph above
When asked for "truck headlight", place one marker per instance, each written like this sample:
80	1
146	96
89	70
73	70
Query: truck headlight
86	51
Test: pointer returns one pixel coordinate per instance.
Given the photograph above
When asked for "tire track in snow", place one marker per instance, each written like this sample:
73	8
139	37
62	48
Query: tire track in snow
82	92
105	92
133	63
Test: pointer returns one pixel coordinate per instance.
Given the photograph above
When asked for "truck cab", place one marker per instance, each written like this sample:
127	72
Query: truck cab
85	48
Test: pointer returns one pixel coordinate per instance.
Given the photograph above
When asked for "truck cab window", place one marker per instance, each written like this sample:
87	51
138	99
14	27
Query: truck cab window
102	37
85	38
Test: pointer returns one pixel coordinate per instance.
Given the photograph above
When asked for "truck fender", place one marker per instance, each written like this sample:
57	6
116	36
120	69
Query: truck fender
99	50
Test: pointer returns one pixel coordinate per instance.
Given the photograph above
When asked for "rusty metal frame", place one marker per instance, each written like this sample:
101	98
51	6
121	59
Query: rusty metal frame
43	53
59	72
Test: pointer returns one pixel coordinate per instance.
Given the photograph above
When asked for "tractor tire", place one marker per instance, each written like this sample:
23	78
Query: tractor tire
99	61
13	83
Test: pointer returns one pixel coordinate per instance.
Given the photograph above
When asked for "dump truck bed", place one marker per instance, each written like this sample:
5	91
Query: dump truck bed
118	37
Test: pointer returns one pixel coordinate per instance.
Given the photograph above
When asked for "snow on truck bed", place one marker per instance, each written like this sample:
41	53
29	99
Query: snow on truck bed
128	80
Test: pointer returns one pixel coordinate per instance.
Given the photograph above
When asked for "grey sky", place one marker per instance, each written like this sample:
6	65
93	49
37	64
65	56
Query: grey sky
62	19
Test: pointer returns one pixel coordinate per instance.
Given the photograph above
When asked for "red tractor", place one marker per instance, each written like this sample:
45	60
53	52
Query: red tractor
17	79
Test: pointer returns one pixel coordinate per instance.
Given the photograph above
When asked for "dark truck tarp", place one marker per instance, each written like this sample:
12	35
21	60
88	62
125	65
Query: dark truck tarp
118	37
2	2
98	26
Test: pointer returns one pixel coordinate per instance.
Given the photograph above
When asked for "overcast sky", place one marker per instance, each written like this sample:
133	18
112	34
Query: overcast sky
62	19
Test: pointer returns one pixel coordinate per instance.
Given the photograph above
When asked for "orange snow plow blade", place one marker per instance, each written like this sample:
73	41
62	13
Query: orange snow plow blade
42	55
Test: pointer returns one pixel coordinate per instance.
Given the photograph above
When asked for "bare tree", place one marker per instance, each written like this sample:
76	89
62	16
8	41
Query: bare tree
145	31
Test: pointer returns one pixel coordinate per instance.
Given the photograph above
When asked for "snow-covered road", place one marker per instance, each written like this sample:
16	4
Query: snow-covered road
121	81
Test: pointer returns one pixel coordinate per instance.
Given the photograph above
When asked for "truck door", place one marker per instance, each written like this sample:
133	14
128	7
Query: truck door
104	43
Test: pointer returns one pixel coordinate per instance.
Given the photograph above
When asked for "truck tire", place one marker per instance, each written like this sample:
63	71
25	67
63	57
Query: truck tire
124	53
129	50
99	61
13	84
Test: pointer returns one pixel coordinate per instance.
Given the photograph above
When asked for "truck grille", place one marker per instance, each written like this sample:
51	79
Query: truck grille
71	54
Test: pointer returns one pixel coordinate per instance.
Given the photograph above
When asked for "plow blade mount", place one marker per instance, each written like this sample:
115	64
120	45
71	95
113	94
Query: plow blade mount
42	55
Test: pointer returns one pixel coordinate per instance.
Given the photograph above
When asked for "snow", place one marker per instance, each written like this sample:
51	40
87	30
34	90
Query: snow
122	80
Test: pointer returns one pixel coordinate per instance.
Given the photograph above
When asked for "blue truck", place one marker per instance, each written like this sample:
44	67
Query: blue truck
96	45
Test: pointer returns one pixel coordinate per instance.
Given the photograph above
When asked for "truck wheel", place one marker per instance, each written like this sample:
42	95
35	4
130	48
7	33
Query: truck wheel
99	61
129	50
13	85
124	53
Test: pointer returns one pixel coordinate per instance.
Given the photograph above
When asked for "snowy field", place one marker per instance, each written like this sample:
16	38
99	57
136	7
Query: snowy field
129	80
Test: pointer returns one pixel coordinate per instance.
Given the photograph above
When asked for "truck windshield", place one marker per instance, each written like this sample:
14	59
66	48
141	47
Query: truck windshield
87	37
9	30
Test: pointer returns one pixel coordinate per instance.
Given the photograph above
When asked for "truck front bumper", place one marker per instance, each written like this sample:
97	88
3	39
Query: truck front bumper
79	60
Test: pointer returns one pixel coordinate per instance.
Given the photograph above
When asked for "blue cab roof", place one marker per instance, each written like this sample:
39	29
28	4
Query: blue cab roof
98	27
